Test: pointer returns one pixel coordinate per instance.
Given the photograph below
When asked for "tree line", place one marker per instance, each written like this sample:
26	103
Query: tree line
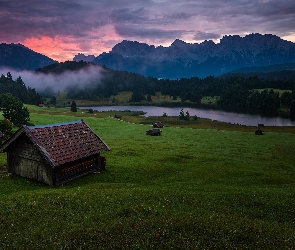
13	93
18	89
237	91
234	91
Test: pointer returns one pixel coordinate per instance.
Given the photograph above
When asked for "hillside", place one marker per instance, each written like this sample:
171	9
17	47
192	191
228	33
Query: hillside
267	69
72	66
17	56
272	72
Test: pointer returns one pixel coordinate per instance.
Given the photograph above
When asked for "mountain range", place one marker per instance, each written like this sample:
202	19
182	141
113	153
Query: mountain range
182	60
179	60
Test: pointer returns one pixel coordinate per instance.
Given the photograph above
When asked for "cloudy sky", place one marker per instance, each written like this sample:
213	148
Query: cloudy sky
61	29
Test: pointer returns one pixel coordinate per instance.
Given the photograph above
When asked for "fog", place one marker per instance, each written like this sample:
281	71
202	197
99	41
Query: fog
83	78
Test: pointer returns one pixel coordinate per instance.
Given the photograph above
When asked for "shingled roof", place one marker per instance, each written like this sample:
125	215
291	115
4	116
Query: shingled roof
62	143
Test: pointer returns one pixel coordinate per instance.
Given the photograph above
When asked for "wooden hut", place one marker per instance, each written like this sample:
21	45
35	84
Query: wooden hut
56	153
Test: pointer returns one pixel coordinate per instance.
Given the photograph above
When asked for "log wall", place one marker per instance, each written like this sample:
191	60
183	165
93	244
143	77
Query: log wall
24	159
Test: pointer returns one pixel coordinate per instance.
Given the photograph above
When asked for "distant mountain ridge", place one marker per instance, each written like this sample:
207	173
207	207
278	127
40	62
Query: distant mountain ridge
179	60
184	60
17	56
82	57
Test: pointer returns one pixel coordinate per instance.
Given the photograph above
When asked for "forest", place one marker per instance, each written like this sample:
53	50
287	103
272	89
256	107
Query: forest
18	89
233	91
248	91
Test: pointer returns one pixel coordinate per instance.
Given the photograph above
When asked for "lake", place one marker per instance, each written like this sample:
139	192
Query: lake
219	115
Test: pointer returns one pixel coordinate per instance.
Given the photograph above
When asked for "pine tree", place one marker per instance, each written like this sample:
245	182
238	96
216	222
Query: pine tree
73	106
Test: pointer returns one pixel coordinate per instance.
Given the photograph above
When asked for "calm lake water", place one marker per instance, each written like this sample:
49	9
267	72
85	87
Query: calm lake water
219	115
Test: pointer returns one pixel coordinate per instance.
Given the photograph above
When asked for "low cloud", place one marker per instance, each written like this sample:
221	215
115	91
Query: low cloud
80	79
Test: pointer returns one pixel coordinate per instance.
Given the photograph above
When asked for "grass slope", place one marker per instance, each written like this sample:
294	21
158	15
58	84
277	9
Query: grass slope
186	189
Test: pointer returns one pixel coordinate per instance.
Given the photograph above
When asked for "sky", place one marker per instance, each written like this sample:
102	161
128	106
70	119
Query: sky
60	29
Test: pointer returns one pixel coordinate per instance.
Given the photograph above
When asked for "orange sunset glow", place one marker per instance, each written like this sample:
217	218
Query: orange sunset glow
59	48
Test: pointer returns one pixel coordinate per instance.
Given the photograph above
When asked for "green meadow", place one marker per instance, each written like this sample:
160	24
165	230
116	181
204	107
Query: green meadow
194	187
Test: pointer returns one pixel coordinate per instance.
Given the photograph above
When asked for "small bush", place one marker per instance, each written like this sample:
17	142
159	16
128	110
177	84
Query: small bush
6	128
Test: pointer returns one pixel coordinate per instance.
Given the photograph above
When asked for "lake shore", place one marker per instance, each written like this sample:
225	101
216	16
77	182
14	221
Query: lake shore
249	119
172	121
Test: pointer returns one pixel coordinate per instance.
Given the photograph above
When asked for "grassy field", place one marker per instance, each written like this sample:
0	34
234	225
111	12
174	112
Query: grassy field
193	187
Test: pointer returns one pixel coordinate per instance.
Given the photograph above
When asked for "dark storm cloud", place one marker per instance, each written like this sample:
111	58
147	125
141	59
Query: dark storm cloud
178	16
77	18
206	36
138	31
265	16
51	18
128	15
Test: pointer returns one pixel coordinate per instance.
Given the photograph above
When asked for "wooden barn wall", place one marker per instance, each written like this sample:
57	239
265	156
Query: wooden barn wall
24	159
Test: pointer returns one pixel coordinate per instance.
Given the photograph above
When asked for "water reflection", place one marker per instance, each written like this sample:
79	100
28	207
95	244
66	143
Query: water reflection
219	115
